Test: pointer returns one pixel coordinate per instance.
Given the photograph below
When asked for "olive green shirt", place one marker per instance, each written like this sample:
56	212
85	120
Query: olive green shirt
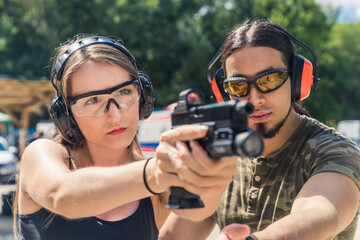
264	188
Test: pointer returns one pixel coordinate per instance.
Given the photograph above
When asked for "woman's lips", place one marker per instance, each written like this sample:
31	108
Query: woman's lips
259	116
117	131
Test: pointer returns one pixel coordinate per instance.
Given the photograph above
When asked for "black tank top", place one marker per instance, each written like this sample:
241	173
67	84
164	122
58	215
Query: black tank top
138	226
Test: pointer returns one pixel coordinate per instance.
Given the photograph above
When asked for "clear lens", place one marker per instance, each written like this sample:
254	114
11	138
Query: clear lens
96	104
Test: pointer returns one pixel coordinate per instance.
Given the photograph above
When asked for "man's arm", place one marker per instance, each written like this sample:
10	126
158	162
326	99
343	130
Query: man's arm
177	228
324	207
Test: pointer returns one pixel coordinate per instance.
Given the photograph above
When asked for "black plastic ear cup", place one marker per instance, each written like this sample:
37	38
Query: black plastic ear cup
147	97
301	78
297	66
64	121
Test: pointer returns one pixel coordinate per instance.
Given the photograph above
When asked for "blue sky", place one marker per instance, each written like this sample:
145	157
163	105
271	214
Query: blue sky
350	9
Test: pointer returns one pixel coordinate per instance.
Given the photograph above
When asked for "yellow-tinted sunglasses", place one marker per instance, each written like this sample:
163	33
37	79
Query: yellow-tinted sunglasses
265	82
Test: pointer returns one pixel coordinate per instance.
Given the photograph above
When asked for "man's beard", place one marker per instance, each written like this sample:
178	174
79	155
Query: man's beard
270	133
261	128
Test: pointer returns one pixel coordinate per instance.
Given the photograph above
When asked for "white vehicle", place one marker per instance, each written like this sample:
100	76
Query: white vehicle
150	129
47	128
8	171
350	129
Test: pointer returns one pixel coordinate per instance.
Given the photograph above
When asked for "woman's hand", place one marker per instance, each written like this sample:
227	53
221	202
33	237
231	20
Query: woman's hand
177	165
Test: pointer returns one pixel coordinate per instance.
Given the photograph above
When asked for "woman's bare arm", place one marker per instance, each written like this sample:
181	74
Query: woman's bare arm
46	180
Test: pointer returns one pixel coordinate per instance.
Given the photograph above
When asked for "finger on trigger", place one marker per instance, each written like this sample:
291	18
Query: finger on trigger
185	133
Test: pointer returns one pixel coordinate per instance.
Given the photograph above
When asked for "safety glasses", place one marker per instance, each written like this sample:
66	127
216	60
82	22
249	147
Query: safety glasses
265	82
96	104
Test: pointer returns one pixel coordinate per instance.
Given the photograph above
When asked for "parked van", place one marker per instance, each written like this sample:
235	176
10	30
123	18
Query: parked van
150	129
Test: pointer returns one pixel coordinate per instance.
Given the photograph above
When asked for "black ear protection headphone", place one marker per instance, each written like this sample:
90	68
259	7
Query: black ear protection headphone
60	113
301	73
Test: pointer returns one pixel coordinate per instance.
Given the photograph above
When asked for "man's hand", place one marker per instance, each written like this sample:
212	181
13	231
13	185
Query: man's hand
234	231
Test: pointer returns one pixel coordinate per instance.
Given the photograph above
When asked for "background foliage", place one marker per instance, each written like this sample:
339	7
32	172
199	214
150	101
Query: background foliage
173	40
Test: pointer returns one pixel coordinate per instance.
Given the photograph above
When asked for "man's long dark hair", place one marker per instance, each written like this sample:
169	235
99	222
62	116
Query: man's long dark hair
261	34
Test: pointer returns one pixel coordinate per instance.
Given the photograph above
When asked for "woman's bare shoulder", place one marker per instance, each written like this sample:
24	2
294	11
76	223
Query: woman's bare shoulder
43	149
41	161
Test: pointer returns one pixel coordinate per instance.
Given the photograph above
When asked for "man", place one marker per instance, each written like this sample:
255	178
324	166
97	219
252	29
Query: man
306	183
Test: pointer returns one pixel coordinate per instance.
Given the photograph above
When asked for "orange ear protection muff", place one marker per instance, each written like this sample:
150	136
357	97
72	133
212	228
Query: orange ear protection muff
301	73
61	114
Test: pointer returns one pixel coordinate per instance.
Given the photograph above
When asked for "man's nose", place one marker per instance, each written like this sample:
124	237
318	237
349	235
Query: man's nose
255	96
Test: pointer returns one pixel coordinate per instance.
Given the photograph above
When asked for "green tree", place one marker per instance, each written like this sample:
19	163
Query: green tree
24	37
339	95
173	40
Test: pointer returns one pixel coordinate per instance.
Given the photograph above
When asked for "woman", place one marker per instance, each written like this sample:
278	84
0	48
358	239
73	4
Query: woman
88	183
93	182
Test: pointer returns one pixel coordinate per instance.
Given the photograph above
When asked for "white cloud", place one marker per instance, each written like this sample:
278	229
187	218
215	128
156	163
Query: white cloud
358	13
349	9
342	3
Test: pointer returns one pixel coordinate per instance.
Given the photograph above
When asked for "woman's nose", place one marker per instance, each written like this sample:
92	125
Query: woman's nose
112	108
111	100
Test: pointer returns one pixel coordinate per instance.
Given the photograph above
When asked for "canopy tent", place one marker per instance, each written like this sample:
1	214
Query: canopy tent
19	98
7	129
4	118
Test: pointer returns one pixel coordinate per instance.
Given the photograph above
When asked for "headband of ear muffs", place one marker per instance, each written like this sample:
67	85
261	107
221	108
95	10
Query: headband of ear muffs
60	113
301	73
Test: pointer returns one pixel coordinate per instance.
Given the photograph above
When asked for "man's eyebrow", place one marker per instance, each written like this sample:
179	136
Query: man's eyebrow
257	74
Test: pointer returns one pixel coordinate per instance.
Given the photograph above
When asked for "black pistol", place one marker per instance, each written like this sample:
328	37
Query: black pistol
228	134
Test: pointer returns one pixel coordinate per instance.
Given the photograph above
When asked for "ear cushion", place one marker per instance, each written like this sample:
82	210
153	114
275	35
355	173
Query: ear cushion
301	78
147	97
217	86
64	122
